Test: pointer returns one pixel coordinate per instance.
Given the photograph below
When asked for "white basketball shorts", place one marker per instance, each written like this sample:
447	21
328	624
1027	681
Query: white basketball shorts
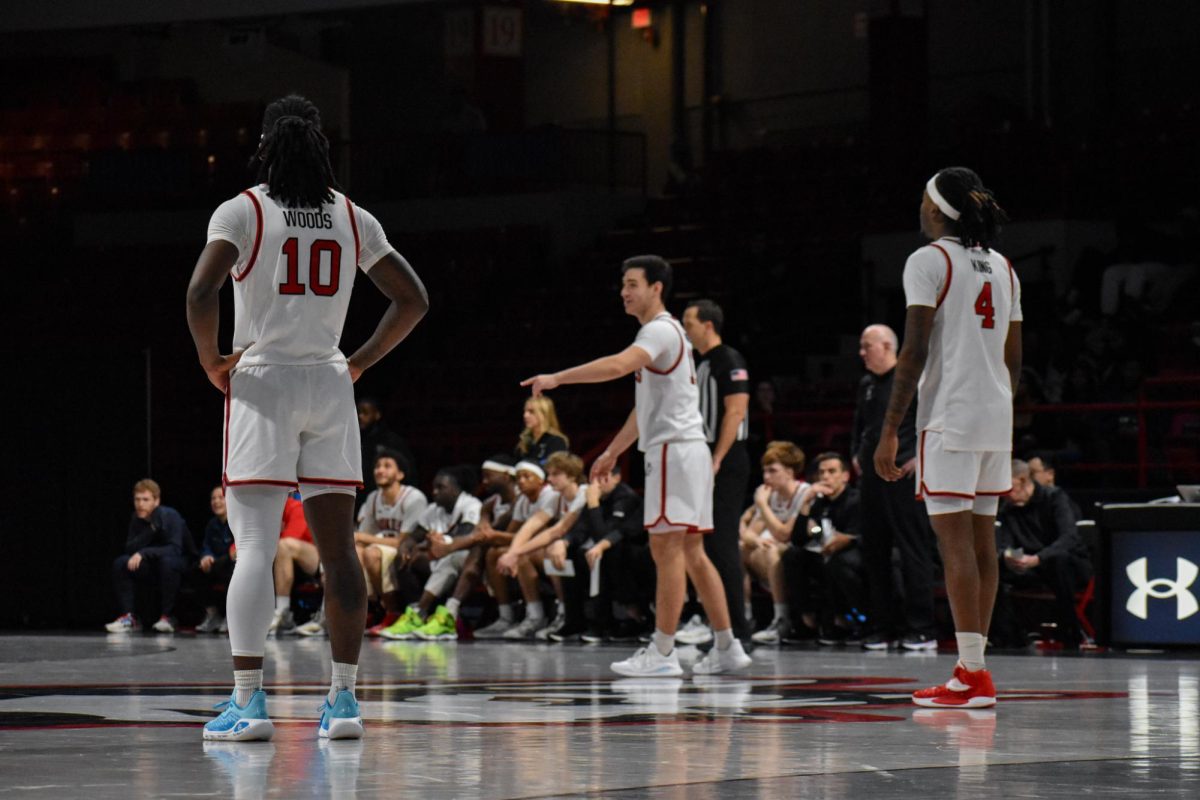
287	425
679	488
961	480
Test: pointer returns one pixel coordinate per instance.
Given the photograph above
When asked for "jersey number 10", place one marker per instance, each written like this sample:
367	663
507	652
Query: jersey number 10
984	307
319	247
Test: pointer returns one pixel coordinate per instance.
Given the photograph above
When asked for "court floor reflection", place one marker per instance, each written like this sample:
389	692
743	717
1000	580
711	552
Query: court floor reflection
119	717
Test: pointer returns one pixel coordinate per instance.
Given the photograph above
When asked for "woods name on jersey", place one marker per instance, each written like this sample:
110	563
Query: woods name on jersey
299	218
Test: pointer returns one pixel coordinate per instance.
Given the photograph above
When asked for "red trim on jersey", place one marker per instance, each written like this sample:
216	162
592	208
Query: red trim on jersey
225	457
354	228
261	482
679	358
329	481
949	275
995	494
926	493
258	214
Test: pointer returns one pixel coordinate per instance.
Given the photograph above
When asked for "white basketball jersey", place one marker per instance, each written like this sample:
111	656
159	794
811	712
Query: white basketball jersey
294	274
784	508
381	519
667	398
965	390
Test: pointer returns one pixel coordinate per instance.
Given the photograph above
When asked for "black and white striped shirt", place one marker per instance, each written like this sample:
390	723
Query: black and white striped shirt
721	372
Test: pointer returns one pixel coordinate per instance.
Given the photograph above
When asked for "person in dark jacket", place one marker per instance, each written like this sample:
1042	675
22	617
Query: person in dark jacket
156	549
1040	546
608	535
216	564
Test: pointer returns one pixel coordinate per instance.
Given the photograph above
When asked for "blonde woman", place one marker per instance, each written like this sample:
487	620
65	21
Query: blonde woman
542	435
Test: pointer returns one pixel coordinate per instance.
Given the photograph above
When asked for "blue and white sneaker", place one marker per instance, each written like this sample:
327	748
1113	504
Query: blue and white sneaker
340	720
248	723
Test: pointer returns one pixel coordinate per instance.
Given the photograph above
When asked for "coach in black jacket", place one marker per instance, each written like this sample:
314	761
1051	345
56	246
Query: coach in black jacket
1040	545
157	547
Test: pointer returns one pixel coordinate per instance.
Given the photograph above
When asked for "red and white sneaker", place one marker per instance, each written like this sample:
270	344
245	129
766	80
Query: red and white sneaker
965	690
375	631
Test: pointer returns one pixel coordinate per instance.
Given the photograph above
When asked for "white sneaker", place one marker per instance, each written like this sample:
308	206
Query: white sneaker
717	661
647	662
314	627
528	628
694	632
496	630
560	622
282	623
164	625
777	631
211	624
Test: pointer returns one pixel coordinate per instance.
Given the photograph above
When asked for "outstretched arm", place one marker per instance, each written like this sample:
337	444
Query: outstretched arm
204	309
918	325
608	368
410	302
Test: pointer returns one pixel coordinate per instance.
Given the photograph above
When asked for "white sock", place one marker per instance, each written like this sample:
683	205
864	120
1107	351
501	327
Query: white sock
506	612
664	643
781	611
246	682
452	606
344	677
535	610
970	650
282	602
724	639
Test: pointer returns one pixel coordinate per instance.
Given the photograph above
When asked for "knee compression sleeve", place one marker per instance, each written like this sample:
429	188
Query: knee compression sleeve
254	517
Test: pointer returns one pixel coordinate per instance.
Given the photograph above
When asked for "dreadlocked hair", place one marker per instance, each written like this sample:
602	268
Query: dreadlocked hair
293	156
980	216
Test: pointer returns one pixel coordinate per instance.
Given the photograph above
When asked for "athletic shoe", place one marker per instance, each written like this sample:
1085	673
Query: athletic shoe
315	626
694	632
164	625
340	720
647	662
126	623
592	636
779	629
877	641
388	621
919	641
248	723
282	624
405	627
965	690
557	624
526	630
212	622
496	630
224	626
718	661
440	627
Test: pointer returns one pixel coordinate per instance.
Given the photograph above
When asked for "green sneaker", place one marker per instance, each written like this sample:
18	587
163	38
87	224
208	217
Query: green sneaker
439	627
406	626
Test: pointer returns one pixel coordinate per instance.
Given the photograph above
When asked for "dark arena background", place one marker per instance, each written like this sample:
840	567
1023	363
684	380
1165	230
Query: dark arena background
515	152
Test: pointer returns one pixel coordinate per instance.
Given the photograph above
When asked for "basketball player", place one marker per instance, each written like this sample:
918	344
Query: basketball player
962	349
667	425
292	245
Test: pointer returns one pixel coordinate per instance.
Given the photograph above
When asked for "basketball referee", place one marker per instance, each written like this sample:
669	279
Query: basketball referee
724	382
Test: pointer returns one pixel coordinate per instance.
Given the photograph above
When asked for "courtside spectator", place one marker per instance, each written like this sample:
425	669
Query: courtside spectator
388	514
295	550
376	437
767	527
535	497
825	575
216	564
1043	472
1040	545
539	541
542	435
609	536
156	549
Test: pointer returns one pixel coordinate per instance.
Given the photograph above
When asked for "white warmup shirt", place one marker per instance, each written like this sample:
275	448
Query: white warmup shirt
524	508
294	273
965	390
436	519
378	518
667	398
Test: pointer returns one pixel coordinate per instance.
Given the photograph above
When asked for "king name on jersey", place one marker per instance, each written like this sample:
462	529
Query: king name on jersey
300	218
981	266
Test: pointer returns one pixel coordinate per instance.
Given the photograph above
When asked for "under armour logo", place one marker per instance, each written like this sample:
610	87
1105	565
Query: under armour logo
1185	575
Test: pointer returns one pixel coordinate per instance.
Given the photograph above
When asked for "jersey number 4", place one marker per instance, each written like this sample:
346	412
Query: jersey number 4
984	307
319	247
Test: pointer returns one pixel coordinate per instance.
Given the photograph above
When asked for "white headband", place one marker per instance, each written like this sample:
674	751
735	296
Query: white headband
531	466
940	201
496	466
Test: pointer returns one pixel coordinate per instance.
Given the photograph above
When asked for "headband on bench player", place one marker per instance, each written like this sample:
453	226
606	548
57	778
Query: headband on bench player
531	466
939	201
496	466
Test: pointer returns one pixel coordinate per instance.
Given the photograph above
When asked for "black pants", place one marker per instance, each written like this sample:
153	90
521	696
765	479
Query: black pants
1065	575
824	587
892	518
211	586
722	545
595	613
165	573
